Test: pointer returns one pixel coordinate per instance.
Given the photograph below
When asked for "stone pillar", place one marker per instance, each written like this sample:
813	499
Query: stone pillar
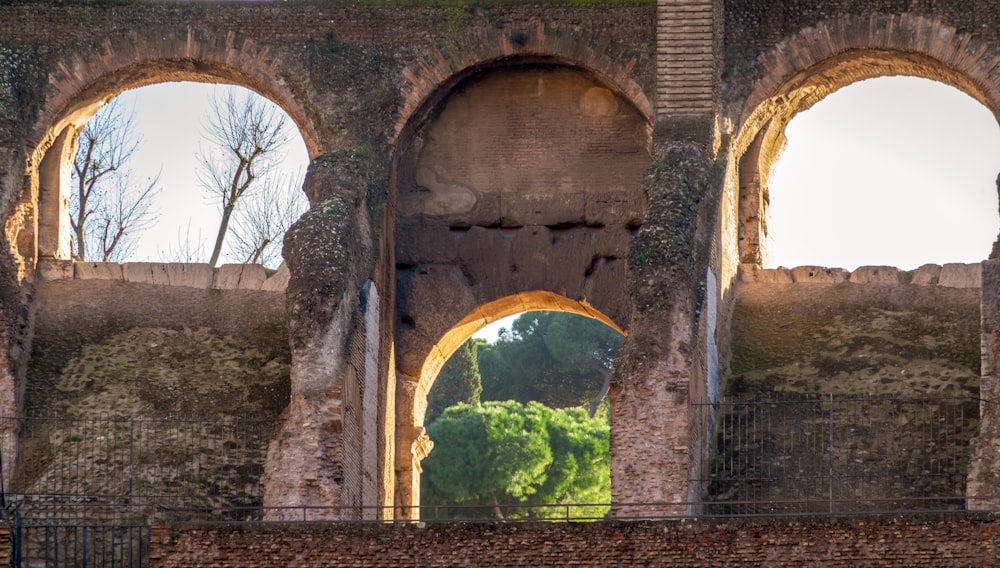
982	487
330	256
654	377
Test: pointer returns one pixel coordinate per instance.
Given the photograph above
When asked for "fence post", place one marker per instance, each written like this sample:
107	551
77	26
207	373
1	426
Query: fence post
831	453
131	455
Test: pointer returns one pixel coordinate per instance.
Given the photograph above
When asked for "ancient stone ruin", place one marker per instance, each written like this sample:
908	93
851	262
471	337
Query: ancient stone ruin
473	162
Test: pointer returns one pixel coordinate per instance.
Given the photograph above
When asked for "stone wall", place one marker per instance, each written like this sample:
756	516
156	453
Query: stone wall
876	330
932	541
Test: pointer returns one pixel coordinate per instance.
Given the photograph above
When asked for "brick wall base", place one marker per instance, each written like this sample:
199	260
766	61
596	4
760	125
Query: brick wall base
922	540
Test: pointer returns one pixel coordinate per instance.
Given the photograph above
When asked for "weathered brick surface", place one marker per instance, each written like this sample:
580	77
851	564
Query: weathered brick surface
967	540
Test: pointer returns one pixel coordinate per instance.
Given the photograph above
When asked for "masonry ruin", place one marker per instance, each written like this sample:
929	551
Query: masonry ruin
472	162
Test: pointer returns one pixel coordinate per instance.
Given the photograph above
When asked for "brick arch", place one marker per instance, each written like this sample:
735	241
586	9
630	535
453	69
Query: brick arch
817	61
412	442
81	84
84	81
429	80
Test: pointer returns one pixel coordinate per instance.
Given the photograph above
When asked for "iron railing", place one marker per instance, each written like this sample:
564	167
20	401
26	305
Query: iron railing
216	462
822	453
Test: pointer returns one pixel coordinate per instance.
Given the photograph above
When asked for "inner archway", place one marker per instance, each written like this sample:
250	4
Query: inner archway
412	442
540	385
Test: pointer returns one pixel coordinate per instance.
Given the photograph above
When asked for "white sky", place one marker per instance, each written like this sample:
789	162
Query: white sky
895	171
168	116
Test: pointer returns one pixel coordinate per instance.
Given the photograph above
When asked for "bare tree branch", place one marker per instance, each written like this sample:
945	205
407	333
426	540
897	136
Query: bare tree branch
262	220
246	132
106	210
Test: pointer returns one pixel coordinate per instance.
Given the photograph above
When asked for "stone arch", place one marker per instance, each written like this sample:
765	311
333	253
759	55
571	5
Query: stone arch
491	205
412	442
432	78
83	83
812	64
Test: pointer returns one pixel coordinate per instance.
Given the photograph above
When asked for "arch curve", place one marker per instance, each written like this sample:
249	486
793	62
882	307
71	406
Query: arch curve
85	81
812	64
430	79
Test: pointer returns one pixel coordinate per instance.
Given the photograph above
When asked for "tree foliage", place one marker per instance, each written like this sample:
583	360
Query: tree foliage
107	207
458	381
517	454
556	358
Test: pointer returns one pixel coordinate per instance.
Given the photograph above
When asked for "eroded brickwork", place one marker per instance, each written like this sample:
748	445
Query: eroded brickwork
859	541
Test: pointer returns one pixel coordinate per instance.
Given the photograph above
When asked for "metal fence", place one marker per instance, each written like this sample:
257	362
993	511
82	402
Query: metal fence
216	462
821	453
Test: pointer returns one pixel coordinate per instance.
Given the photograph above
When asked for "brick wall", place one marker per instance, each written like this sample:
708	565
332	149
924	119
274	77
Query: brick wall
938	541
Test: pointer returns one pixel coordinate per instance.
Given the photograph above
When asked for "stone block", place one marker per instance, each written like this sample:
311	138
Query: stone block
239	276
780	275
818	275
520	209
278	281
615	208
50	269
926	275
99	271
192	275
487	258
146	273
417	244
875	275
954	275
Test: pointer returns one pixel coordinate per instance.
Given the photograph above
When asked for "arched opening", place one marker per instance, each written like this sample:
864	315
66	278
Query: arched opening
48	234
762	137
158	150
872	334
111	351
568	397
897	171
500	209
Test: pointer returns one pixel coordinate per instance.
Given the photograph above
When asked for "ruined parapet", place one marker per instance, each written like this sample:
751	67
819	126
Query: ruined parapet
190	275
952	275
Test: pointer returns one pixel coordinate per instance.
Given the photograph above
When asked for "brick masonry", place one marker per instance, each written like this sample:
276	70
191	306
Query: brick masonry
933	541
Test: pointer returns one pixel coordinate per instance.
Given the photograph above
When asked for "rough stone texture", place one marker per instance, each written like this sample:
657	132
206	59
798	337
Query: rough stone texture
932	541
71	314
850	338
926	275
233	276
875	275
819	275
984	463
961	276
378	92
98	271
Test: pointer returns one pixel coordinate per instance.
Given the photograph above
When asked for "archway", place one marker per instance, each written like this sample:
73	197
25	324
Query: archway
41	230
411	405
762	138
897	171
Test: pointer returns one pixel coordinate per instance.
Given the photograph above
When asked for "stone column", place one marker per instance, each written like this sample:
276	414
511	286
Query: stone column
651	455
330	255
982	487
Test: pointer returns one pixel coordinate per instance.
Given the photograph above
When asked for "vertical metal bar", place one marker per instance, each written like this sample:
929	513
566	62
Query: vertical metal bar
831	453
131	456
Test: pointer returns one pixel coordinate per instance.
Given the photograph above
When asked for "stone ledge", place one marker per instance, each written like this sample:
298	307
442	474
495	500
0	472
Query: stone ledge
952	275
189	275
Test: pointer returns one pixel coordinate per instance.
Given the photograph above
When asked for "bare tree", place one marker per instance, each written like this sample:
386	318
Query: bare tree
246	132
264	218
107	207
